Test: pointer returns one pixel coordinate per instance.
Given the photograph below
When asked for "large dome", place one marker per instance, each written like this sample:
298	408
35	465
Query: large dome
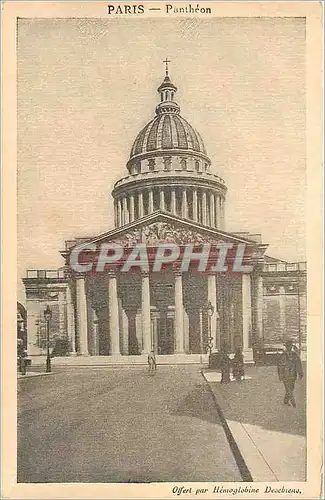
167	131
169	170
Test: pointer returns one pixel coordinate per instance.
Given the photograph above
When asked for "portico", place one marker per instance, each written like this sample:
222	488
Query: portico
130	313
169	194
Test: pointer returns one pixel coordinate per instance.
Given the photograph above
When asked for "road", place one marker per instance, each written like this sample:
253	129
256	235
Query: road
121	425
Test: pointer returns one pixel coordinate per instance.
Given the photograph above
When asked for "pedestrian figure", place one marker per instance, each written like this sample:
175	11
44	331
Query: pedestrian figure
21	357
225	365
238	365
152	363
289	368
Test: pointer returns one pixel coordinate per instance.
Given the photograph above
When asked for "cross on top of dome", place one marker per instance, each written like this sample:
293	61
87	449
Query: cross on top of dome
166	61
167	130
167	90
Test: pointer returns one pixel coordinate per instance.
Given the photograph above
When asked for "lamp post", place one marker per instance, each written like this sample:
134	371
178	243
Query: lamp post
201	335
210	310
48	316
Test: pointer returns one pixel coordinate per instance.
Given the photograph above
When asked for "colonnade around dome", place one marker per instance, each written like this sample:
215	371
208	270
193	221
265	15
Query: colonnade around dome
197	204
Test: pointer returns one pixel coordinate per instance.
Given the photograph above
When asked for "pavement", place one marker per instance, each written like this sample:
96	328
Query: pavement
100	424
270	437
29	374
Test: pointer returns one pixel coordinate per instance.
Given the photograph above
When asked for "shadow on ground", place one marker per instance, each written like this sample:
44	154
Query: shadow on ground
198	404
259	401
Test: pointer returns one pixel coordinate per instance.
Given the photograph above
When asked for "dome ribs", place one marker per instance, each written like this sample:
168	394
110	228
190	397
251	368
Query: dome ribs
181	134
167	133
174	134
194	139
152	137
202	146
160	132
138	143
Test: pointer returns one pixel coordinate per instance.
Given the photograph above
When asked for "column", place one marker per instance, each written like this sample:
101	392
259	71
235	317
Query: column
154	335
115	214
95	334
35	314
186	331
212	211
282	316
141	209
222	218
162	200
232	331
204	208
70	321
145	313
212	297
124	329
61	313
114	329
131	207
184	204
258	307
125	211
179	311
217	210
173	202
82	320
150	201
201	330
247	310
195	215
119	213
138	329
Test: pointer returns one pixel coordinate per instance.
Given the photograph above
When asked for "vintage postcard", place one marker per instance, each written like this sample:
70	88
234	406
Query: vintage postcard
162	258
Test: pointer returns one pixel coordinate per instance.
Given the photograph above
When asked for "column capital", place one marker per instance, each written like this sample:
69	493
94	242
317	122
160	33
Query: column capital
79	276
176	270
112	272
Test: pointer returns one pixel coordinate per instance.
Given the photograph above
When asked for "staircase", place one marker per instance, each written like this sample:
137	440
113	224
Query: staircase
118	361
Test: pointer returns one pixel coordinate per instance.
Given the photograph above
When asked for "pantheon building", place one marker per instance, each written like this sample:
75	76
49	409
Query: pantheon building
169	192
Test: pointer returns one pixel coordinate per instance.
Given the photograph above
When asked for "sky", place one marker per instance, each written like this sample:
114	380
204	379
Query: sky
86	87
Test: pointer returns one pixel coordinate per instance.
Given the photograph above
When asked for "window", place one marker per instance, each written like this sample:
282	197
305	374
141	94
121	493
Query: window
152	164
51	274
292	267
183	164
197	166
31	274
136	168
167	163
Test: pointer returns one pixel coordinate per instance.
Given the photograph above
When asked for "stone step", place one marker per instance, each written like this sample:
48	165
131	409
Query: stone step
172	359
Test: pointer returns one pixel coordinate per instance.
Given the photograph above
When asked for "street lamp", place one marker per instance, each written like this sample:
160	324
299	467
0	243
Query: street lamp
48	316
299	312
210	310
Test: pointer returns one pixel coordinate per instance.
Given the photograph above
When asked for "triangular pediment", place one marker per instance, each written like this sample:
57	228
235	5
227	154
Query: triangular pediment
161	227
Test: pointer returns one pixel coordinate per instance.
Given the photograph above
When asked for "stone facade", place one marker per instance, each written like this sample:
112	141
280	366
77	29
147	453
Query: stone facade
168	195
